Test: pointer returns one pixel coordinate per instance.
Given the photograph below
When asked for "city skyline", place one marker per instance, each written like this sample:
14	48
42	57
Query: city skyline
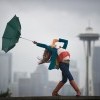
38	78
38	84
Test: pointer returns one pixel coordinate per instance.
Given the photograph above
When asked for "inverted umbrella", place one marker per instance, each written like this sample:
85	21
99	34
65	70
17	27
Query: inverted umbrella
11	34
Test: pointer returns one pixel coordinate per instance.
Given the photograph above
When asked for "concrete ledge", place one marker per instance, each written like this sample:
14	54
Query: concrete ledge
53	98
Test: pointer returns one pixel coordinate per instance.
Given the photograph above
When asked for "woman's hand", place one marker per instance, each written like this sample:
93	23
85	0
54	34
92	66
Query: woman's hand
53	42
34	42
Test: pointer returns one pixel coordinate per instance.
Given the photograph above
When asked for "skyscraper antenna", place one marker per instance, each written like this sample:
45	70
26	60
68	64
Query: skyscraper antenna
89	23
89	29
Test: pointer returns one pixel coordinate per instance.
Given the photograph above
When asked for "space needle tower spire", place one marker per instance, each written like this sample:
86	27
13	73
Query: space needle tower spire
89	38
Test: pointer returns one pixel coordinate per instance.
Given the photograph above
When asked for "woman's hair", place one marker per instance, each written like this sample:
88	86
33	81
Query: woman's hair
46	57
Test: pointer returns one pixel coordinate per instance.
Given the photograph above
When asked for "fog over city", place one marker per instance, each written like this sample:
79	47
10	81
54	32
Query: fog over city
44	20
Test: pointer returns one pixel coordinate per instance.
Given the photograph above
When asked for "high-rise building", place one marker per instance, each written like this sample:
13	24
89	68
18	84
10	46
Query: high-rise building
25	86
14	89
19	75
5	70
96	71
39	80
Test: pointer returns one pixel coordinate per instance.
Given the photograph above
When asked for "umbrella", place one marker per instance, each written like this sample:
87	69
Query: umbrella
11	34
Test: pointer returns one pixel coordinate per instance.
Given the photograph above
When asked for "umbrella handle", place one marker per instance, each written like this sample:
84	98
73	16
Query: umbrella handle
26	39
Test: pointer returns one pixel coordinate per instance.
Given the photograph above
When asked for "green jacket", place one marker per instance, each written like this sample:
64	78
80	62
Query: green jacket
54	52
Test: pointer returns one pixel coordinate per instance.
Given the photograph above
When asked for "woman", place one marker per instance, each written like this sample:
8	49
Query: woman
62	57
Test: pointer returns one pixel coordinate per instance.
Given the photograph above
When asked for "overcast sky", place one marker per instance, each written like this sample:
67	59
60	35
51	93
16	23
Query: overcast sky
43	20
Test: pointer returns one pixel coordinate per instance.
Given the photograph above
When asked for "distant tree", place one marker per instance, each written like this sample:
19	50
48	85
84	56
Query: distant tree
5	94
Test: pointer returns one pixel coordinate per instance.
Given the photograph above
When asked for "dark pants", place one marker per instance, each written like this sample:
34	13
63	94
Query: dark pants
64	67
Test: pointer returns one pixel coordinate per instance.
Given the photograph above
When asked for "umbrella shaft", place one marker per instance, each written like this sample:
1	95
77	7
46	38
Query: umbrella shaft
26	39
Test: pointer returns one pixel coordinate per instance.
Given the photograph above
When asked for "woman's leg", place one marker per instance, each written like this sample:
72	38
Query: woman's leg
66	74
56	90
74	85
60	84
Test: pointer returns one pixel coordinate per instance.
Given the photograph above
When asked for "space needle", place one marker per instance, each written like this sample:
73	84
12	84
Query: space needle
89	38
